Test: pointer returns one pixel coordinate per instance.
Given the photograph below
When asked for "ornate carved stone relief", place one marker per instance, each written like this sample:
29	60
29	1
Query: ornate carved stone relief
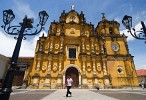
72	41
44	67
47	46
99	68
58	32
87	47
56	46
89	68
55	68
72	31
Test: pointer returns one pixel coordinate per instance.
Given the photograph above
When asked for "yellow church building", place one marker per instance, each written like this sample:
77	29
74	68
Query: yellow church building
92	56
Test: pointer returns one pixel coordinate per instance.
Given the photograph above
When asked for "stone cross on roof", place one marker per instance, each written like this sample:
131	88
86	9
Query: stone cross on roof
72	7
103	15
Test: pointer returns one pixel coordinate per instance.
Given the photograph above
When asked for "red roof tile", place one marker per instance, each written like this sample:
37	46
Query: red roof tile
141	72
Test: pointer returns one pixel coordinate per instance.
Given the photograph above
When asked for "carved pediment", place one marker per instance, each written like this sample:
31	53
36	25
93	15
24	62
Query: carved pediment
72	17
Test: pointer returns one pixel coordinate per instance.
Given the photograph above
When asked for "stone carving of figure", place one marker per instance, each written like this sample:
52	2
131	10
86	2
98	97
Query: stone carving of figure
73	7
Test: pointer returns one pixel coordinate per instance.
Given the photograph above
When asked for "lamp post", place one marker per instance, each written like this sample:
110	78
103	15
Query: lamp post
127	22
25	28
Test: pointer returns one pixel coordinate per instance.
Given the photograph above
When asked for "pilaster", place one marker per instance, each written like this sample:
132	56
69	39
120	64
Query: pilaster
51	44
61	45
92	46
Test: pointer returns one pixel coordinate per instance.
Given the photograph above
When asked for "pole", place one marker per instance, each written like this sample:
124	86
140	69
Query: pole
144	28
7	84
6	89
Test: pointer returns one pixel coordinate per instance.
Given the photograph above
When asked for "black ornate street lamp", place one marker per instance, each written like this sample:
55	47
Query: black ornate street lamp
25	28
141	35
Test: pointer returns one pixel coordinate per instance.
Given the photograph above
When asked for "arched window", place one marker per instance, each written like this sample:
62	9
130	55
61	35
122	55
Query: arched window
111	30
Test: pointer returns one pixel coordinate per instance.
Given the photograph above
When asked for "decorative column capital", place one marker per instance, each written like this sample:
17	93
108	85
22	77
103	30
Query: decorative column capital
60	58
50	57
83	39
93	57
92	39
52	38
83	58
38	58
62	39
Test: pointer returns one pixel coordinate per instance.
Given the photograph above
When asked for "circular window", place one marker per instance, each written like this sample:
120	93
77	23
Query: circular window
115	46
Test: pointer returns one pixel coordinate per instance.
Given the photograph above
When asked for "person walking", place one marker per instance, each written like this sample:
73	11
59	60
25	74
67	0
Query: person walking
69	84
142	84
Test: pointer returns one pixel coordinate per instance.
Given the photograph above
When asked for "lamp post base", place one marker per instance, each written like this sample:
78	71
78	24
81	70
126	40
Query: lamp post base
7	84
4	96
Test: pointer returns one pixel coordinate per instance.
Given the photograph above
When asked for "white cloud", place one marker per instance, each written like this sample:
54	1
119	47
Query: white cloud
7	45
130	37
22	9
140	61
7	42
117	19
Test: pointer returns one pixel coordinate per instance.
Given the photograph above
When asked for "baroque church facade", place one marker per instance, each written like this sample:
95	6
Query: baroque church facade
92	56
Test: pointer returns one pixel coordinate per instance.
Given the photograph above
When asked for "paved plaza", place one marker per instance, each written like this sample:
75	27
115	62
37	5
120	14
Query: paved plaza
79	94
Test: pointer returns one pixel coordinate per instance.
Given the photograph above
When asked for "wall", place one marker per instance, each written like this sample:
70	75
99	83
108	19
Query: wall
3	67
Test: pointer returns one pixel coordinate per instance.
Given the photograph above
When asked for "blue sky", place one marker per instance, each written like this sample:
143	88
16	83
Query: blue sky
113	9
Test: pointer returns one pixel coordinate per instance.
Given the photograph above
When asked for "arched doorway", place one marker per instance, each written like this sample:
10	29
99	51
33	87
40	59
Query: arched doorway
74	75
